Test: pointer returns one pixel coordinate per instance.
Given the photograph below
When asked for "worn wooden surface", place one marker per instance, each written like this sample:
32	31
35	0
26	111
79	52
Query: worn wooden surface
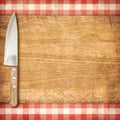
65	59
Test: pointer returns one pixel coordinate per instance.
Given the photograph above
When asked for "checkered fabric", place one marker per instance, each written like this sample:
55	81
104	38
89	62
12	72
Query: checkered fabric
60	112
60	7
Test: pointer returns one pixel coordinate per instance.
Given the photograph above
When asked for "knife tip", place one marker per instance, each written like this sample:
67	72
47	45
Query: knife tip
13	14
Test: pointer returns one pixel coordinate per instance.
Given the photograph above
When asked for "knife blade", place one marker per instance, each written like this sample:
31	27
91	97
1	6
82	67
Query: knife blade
11	57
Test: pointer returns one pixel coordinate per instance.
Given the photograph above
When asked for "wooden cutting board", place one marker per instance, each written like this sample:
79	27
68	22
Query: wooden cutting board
64	59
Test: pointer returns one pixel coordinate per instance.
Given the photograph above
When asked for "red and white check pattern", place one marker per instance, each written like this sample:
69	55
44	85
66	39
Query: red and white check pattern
60	112
60	7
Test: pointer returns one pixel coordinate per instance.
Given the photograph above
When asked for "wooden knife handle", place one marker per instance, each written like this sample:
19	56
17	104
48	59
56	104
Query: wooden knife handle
14	87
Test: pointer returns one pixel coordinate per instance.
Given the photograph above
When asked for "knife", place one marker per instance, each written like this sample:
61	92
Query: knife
11	58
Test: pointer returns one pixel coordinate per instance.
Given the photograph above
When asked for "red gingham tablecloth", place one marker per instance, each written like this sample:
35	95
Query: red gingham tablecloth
84	111
61	7
60	112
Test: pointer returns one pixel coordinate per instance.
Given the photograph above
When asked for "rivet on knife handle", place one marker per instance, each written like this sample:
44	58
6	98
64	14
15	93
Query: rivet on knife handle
14	86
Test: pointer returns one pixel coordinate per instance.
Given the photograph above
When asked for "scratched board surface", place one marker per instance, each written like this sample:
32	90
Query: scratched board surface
64	59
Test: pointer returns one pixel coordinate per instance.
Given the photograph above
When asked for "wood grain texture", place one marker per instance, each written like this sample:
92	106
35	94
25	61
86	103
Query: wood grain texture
65	59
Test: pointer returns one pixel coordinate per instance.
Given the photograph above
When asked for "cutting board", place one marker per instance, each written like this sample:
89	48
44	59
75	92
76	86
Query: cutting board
64	59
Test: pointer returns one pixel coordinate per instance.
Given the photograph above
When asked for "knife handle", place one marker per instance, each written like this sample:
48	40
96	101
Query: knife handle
14	87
